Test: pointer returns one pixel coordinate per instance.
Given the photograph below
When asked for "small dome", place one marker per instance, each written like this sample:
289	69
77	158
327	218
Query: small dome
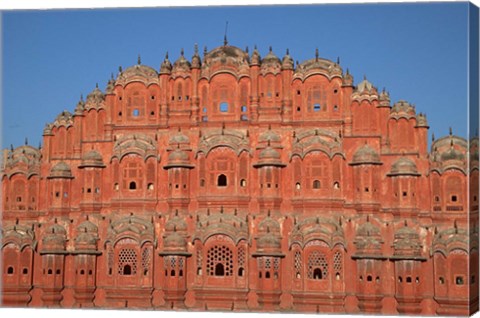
61	170
270	59
269	157
181	63
269	154
179	138
178	158
364	85
95	97
269	241
85	239
269	225
422	120
255	59
403	107
368	229
174	241
92	159
366	155
138	71
269	135
196	61
176	223
287	62
166	67
404	166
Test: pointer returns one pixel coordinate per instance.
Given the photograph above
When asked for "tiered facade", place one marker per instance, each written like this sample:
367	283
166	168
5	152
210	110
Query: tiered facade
235	182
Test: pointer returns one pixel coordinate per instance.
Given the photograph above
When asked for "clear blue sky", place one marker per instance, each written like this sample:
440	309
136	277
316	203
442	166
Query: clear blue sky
418	52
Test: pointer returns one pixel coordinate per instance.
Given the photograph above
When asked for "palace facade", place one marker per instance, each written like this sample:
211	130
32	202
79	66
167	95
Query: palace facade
235	182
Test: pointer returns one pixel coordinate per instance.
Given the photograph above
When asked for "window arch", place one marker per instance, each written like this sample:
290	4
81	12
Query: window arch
222	180
316	184
127	262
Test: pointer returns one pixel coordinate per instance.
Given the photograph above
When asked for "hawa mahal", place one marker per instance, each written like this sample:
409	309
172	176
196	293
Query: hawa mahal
234	182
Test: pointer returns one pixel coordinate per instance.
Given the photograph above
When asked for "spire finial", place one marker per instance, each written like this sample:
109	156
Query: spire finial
450	131
338	60
120	69
96	85
225	42
195	49
182	52
139	60
81	96
270	48
26	141
433	136
205	50
316	54
364	77
166	56
288	51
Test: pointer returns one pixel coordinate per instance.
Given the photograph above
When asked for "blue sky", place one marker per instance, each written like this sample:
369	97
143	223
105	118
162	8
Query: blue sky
418	52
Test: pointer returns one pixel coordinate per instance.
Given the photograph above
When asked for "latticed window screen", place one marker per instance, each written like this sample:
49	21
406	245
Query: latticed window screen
298	264
219	261
241	256
276	264
110	259
146	259
268	263
180	263
317	266
199	258
127	262
337	262
260	263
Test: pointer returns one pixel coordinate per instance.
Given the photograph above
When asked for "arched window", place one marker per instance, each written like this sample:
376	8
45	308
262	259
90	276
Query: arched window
219	270
241	271
316	184
132	185
223	107
222	180
267	274
10	270
127	270
317	273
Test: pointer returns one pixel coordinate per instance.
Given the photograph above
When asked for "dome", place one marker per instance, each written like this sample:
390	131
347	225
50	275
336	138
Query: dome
86	239
270	58
92	159
61	170
269	135
179	138
176	223
269	241
402	107
287	62
364	85
178	158
368	229
404	166
319	64
366	155
174	241
138	72
95	98
166	67
269	157
421	120
181	63
269	224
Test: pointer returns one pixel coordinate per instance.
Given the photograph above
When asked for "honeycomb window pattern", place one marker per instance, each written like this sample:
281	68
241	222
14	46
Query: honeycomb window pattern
219	261
127	262
317	266
298	263
337	262
241	256
146	258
